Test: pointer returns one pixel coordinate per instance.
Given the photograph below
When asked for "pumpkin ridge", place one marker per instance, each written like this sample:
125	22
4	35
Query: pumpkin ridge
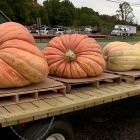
16	79
51	50
85	42
90	64
81	72
34	50
13	68
74	72
24	37
9	24
71	41
51	44
29	75
81	67
89	71
64	41
60	67
80	40
94	59
53	67
77	40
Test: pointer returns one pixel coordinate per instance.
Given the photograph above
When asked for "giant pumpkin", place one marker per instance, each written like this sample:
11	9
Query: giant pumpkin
21	62
74	56
122	56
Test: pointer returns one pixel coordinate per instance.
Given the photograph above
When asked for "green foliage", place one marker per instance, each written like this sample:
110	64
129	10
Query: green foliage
56	12
64	17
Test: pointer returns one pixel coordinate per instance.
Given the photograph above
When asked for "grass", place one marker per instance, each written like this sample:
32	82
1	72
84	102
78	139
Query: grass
128	39
43	42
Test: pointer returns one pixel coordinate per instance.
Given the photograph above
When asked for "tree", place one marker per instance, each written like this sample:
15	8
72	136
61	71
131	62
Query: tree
64	17
125	12
88	20
52	8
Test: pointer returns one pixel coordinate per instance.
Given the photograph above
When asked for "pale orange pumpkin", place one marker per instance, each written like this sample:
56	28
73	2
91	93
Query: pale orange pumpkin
74	56
122	56
21	62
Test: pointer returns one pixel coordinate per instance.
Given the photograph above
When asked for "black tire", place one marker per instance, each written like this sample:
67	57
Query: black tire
38	129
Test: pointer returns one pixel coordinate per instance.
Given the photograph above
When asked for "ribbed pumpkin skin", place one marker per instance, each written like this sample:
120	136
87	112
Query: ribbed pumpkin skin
21	62
74	56
122	56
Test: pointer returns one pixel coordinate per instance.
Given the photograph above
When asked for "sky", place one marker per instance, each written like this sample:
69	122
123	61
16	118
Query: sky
106	7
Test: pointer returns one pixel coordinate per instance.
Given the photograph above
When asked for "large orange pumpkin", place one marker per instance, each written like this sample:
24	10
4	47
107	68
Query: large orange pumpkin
74	56
21	62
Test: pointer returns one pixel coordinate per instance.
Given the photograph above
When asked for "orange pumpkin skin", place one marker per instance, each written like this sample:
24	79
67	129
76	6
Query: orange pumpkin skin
21	62
74	56
13	30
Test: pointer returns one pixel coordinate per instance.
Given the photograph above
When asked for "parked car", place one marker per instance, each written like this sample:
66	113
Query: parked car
46	30
59	30
88	29
67	31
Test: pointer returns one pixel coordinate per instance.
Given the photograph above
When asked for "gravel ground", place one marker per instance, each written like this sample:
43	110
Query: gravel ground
113	121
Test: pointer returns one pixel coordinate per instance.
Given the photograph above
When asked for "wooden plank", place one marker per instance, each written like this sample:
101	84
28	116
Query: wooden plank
78	107
67	110
128	76
9	123
48	88
98	102
58	112
89	105
41	104
37	117
107	90
13	109
46	85
100	92
91	93
74	97
53	102
57	107
92	81
24	120
82	95
65	100
28	106
3	111
86	80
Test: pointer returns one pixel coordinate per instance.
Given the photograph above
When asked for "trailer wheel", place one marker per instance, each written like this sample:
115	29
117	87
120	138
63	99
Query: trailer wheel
59	130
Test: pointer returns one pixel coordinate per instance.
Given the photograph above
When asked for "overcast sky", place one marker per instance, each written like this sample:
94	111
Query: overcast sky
106	7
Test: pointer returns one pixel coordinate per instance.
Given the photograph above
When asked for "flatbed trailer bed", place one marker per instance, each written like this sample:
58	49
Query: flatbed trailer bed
80	98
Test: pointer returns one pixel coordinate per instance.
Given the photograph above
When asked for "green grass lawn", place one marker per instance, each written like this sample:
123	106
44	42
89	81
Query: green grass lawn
43	42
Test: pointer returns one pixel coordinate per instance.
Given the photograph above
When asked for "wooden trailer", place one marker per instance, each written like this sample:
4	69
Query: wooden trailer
49	99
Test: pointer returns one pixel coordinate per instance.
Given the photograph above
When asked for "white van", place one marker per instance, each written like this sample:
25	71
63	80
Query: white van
58	30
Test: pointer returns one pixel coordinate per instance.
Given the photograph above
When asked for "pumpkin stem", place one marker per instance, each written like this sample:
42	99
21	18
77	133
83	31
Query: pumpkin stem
70	56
